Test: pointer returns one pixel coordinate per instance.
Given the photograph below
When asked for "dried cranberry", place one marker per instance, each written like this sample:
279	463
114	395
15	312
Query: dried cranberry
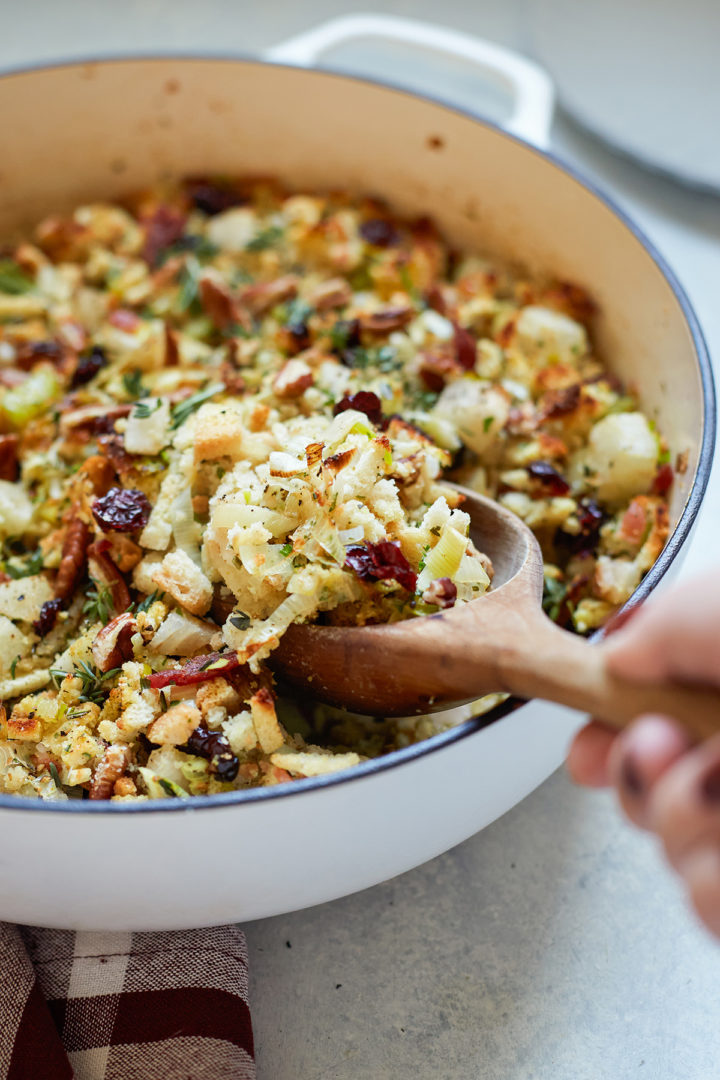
48	616
213	746
590	517
379	232
347	335
549	477
122	510
299	335
365	402
465	347
663	480
88	366
200	669
162	228
383	561
212	197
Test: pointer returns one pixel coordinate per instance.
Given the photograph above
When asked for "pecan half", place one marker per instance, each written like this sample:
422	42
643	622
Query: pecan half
222	308
293	379
333	293
383	322
9	465
162	228
107	573
73	559
111	767
266	294
113	645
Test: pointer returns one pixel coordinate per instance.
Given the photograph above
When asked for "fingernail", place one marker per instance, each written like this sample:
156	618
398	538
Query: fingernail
631	778
710	786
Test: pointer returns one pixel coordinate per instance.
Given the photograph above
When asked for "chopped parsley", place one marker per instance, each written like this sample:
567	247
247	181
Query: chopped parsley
13	282
148	602
143	410
186	408
240	620
32	565
133	386
188	293
265	238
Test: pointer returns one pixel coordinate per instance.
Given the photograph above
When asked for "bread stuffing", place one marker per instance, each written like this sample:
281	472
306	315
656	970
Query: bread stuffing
226	408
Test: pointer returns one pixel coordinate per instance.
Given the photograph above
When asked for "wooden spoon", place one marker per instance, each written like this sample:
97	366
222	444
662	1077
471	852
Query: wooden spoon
501	642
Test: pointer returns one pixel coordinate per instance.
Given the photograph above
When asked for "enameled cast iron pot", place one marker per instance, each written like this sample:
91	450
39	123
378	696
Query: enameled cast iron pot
93	130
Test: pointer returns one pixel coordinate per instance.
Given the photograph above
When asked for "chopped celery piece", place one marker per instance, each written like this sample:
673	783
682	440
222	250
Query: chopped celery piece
158	787
22	403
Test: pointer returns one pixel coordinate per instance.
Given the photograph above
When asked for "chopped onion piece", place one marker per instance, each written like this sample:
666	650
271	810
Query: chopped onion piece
182	635
227	514
351	536
444	559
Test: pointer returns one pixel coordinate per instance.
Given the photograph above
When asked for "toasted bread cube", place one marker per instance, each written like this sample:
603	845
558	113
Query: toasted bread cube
269	733
179	576
219	435
175	727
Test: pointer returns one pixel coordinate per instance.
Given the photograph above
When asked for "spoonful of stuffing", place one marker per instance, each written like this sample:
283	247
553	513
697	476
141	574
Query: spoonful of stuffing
500	642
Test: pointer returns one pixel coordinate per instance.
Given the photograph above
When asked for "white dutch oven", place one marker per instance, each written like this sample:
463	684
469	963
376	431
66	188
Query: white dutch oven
89	130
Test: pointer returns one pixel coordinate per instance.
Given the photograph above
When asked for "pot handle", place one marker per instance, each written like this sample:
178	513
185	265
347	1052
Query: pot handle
530	87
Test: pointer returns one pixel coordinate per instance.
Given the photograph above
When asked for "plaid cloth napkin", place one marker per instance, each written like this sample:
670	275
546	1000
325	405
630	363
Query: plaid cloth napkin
122	1006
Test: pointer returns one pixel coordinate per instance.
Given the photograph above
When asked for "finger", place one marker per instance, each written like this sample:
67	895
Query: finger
588	755
700	870
684	806
638	760
676	635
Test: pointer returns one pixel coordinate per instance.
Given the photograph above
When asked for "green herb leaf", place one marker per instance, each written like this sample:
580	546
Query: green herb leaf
32	565
487	423
265	238
132	385
52	767
286	549
13	281
147	603
198	245
186	408
99	605
298	312
240	620
13	666
143	410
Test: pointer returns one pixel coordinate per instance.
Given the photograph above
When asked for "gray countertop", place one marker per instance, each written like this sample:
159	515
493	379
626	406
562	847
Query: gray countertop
554	945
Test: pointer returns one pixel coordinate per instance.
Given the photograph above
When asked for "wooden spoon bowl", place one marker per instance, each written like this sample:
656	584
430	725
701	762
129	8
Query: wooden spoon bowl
501	642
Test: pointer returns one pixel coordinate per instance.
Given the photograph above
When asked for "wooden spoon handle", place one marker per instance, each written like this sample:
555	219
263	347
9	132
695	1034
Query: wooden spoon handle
567	669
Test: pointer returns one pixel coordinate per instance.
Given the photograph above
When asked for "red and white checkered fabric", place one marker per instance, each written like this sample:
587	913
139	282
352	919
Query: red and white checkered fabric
123	1006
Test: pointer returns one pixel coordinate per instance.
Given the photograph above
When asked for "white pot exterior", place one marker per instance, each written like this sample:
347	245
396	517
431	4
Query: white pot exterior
97	130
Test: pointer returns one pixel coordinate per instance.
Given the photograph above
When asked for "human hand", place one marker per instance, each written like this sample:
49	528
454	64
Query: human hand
665	784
